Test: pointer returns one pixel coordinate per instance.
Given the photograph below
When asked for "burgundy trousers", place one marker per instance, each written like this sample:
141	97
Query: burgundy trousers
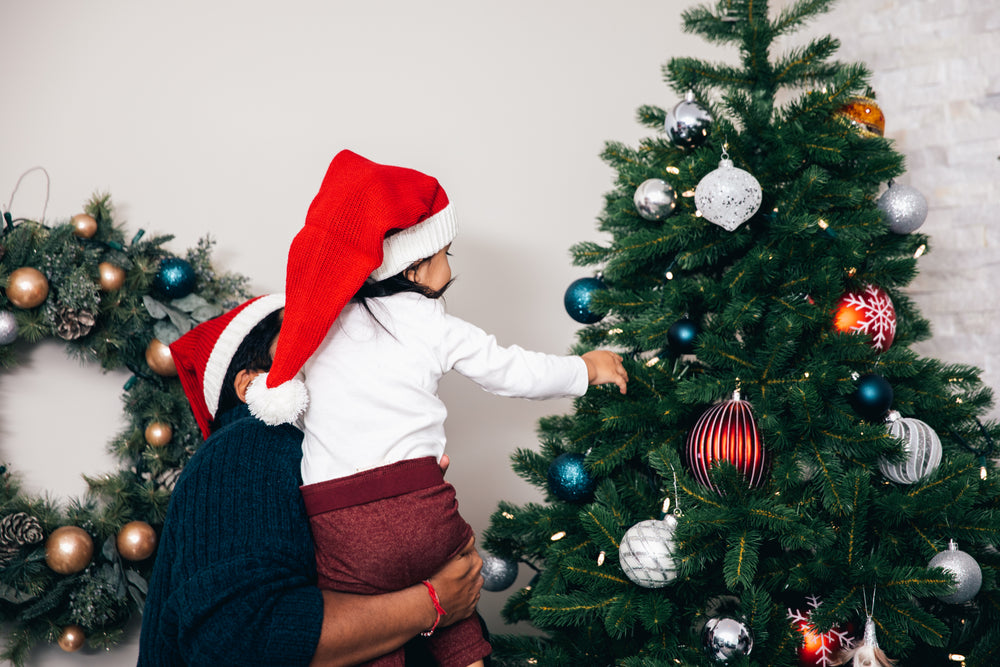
389	528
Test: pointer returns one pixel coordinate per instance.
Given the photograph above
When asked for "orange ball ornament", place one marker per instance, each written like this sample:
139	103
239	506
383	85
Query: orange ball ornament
110	276
69	549
865	115
159	359
84	226
869	311
72	638
158	433
27	287
136	541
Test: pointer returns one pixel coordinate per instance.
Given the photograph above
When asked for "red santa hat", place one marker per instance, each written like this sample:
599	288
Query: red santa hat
343	244
203	354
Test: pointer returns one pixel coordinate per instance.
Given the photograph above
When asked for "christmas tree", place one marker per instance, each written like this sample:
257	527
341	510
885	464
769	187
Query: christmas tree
786	482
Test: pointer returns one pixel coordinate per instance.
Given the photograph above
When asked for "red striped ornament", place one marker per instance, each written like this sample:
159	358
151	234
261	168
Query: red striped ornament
727	432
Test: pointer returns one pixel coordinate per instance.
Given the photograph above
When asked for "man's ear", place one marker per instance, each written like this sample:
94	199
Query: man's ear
242	381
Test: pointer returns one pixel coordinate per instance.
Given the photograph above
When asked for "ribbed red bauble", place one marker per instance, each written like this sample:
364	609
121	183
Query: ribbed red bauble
727	432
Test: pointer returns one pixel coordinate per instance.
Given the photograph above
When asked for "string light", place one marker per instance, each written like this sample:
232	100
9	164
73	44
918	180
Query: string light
652	362
600	559
558	536
687	193
673	170
508	515
920	251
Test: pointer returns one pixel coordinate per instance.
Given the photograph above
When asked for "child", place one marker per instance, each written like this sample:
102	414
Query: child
380	510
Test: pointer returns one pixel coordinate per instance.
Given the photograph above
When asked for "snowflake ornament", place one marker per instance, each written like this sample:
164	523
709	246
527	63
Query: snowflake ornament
818	650
869	312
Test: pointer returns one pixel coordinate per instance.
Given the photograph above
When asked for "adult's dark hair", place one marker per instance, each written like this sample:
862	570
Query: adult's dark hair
253	354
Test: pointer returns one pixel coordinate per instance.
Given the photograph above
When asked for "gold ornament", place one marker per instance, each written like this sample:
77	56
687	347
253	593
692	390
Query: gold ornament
72	638
68	549
159	358
158	433
865	115
27	287
112	276
136	540
84	225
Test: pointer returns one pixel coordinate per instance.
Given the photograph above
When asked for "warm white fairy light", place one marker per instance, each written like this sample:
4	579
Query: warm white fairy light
920	251
652	362
558	536
687	193
508	515
673	170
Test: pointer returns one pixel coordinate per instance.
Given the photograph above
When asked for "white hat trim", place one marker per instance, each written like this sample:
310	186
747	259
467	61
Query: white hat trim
418	242
229	341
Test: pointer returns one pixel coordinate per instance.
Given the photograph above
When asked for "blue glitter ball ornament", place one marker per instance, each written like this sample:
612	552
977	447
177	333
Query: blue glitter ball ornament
569	479
681	335
872	398
578	297
498	573
175	279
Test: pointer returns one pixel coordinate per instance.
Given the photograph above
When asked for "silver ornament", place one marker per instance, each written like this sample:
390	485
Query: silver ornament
646	554
654	199
498	573
921	446
724	638
8	327
903	208
728	196
687	123
964	568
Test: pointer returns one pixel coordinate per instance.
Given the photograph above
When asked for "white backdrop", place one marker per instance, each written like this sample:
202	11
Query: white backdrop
221	117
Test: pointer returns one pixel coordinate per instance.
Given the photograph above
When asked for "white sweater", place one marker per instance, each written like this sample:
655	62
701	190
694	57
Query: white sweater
373	390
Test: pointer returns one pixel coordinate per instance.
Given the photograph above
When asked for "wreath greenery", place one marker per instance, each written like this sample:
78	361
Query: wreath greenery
113	303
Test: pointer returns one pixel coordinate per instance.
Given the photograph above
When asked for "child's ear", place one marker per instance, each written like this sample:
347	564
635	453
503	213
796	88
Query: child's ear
242	381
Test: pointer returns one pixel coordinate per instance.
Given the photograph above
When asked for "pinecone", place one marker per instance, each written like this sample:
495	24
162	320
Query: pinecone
72	323
16	531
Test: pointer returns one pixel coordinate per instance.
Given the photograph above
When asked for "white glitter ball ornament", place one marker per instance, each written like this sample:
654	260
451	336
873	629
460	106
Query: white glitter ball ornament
646	553
903	207
728	196
964	568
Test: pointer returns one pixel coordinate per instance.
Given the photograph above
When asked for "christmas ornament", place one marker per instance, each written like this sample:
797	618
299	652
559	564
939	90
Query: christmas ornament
864	115
646	553
68	549
159	359
27	287
136	541
687	123
568	478
654	199
84	225
921	446
73	323
578	297
498	573
728	196
965	570
818	649
158	433
72	638
903	208
110	276
18	530
175	278
867	653
727	432
8	327
872	398
870	312
681	336
724	637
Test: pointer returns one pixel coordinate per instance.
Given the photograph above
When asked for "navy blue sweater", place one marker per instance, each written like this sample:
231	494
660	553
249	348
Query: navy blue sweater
234	579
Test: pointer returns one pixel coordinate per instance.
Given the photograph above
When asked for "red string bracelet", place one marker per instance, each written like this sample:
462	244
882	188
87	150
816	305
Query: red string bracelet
437	607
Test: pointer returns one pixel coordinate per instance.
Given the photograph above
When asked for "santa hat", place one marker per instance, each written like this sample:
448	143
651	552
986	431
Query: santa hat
203	354
342	244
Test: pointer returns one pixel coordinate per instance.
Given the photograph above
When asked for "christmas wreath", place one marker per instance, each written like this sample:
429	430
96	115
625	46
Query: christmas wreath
75	572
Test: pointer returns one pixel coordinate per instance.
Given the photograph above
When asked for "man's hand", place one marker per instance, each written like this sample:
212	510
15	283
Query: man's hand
459	583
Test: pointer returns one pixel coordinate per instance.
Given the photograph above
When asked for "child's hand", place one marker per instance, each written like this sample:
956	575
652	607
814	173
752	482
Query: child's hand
605	367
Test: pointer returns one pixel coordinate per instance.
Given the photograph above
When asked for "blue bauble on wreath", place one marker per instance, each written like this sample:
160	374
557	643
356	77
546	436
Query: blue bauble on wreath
175	279
681	336
578	297
569	479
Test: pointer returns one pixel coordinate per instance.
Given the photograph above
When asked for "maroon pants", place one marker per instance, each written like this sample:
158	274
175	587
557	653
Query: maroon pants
389	528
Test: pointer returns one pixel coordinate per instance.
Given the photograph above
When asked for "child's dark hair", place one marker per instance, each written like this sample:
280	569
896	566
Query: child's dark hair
253	354
396	284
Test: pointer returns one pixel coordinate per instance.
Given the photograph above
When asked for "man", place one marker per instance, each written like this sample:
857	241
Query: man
234	580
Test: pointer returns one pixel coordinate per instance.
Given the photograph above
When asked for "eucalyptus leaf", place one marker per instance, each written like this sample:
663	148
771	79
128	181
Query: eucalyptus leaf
165	332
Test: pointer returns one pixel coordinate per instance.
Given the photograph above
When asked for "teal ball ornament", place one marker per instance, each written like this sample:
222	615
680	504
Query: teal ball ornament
873	396
681	336
498	573
175	278
569	479
578	298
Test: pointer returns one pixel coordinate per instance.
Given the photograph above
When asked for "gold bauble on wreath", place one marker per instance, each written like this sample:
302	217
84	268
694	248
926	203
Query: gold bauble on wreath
72	638
136	541
69	549
84	226
27	287
110	276
159	359
158	434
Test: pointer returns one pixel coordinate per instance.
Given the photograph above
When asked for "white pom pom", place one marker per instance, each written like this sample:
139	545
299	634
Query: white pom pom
277	405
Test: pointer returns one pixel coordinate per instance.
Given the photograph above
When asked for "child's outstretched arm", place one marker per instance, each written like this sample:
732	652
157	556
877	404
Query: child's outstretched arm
605	367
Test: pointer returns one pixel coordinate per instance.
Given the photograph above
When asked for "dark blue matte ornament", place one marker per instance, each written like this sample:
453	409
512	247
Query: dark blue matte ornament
873	397
569	479
175	279
577	299
681	335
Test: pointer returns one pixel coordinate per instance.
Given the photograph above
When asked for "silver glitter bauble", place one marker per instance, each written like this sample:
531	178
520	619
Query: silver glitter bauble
921	446
646	553
8	327
498	573
728	196
687	123
724	638
964	568
903	207
654	199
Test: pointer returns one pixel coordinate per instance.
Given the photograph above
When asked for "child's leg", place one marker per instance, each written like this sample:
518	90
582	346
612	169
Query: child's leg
460	645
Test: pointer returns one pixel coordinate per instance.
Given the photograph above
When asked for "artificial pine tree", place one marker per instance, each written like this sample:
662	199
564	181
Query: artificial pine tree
812	507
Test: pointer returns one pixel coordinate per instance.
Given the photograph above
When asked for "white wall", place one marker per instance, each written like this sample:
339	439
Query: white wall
222	117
